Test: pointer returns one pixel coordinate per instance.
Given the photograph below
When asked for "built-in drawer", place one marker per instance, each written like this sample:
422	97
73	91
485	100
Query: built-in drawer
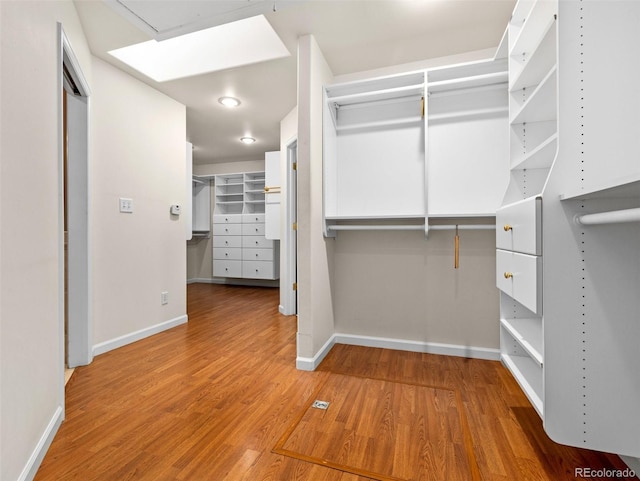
257	254
227	253
227	219
519	226
257	242
227	241
253	229
520	276
227	268
227	229
253	218
257	269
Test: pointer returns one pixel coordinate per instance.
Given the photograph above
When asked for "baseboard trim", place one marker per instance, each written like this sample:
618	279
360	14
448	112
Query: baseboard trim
311	363
233	281
31	468
419	346
633	464
112	344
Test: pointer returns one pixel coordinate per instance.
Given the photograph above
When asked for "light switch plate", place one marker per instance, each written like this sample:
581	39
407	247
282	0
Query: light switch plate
126	205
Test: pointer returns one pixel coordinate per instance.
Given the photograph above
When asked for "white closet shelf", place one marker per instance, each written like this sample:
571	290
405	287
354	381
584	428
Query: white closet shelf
528	334
541	157
384	94
419	227
468	82
380	123
468	113
529	377
541	105
625	187
535	25
535	62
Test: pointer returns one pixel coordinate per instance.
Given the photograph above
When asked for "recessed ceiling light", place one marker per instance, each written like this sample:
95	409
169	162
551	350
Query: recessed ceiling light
234	44
247	140
229	101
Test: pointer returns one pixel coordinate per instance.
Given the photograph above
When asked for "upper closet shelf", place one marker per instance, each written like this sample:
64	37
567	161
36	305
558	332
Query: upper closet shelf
541	104
536	23
626	187
473	81
377	95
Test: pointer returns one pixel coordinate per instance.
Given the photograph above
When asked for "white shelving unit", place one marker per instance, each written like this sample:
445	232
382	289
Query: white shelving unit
401	149
240	248
201	206
533	114
574	152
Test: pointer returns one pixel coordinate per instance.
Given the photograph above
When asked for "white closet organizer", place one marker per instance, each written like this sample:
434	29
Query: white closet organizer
400	149
201	206
240	249
568	236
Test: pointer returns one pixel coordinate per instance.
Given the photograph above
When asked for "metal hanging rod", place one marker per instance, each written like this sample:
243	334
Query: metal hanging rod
612	217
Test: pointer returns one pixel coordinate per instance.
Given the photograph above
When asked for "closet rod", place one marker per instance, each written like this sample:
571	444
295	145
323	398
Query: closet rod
410	227
612	217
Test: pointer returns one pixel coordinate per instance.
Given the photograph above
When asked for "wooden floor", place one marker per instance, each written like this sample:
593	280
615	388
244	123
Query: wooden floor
209	401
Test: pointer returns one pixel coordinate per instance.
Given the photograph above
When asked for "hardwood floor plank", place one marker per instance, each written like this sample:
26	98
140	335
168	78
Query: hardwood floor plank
210	399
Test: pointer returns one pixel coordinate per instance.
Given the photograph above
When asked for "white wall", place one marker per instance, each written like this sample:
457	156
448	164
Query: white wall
30	324
399	285
138	138
200	250
315	253
138	151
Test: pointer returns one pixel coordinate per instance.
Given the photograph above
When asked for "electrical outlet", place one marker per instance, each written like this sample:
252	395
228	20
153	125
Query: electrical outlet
126	205
164	297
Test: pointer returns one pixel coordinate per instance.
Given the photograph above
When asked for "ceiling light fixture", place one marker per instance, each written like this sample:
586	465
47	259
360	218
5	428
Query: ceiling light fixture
247	140
229	101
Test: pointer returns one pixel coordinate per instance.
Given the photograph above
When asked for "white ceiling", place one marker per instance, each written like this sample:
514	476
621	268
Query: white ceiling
354	35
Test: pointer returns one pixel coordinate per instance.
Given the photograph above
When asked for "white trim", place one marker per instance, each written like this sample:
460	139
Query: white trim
288	243
107	346
632	463
235	281
202	280
311	363
471	352
31	468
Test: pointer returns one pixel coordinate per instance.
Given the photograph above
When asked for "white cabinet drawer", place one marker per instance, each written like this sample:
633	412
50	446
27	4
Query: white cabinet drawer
253	218
520	276
257	242
227	241
257	269
518	226
227	219
227	229
253	229
257	254
227	253
227	268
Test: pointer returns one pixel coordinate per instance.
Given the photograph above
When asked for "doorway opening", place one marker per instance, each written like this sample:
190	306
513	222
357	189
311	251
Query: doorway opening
75	349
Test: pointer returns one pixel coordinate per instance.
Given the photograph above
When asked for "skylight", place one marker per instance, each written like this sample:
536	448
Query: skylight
235	44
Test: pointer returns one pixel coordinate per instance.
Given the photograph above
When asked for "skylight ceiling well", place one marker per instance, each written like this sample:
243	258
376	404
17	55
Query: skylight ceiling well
235	44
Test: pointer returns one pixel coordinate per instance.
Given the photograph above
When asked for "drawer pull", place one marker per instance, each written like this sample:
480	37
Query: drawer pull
508	275
507	228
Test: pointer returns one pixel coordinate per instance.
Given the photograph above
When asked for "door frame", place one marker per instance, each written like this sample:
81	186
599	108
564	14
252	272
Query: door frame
79	350
289	296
